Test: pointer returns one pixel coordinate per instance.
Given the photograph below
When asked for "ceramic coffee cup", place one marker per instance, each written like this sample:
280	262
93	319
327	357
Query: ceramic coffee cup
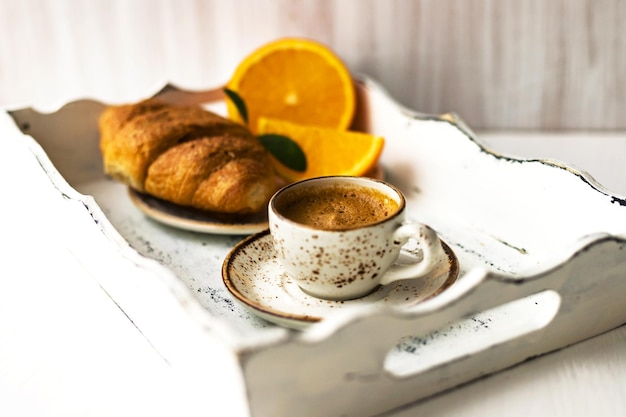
339	237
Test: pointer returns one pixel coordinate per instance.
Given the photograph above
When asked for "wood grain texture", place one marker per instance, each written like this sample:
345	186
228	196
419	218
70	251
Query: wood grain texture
523	64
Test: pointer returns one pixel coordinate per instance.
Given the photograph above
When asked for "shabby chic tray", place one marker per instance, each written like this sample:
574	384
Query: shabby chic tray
540	248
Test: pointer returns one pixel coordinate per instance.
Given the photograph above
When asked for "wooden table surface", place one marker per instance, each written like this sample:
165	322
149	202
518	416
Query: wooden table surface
527	64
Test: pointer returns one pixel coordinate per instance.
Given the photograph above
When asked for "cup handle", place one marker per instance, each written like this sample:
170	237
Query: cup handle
431	248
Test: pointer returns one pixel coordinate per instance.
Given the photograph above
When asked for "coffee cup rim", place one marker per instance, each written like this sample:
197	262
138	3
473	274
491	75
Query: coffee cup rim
339	178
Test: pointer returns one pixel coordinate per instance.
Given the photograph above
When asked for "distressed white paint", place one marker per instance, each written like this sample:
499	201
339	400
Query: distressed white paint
545	241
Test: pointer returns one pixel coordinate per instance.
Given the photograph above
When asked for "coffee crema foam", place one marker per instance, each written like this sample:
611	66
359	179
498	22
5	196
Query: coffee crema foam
337	207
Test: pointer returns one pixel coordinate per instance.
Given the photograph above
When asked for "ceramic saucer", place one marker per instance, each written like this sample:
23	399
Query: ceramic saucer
195	220
255	277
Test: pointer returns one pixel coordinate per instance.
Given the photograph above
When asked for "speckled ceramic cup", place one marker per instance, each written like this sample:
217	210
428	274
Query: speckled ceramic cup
349	262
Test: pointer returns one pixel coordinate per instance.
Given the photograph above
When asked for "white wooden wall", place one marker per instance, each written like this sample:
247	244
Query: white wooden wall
527	64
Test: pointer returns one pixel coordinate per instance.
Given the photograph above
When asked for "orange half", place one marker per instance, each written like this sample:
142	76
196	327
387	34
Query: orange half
296	80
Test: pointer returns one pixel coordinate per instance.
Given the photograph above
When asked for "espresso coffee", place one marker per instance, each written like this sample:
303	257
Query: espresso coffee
337	207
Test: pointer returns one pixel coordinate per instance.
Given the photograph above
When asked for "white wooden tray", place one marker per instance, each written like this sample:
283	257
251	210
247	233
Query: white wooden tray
540	246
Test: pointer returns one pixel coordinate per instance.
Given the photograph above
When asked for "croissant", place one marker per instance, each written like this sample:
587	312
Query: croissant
186	155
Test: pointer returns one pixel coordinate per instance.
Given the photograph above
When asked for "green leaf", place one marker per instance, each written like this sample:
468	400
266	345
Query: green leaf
285	150
239	103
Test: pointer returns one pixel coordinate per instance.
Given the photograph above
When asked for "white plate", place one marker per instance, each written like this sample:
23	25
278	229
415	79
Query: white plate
188	218
255	277
195	220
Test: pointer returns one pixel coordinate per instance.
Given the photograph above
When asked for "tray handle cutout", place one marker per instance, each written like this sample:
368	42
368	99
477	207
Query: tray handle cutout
480	333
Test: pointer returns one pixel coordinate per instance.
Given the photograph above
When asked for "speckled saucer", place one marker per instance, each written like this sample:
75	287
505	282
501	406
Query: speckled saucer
255	277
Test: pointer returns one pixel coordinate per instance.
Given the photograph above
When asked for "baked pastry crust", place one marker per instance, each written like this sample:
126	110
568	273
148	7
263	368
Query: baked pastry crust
186	155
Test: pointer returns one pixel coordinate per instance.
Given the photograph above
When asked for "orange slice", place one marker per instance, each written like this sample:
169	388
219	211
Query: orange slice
328	151
297	80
